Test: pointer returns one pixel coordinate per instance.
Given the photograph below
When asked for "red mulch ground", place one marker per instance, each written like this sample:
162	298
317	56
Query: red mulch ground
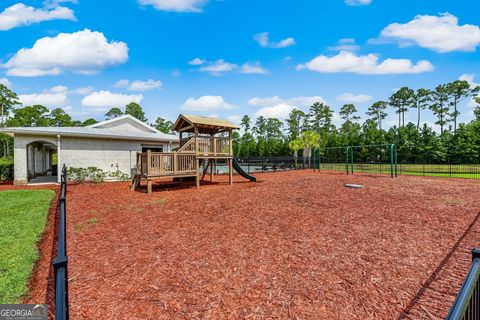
294	245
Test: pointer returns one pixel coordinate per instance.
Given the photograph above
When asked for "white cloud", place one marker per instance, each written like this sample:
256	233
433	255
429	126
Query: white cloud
279	111
56	96
358	2
83	90
121	83
59	89
256	68
206	104
84	52
470	78
150	84
347	44
264	41
176	5
218	67
276	107
196	62
368	64
53	97
472	103
22	15
440	33
107	99
138	85
354	98
64	89
299	102
5	82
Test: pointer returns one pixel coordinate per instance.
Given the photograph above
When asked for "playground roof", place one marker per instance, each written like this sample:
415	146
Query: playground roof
188	123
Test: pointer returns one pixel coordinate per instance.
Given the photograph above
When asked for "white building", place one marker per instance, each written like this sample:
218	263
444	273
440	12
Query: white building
110	145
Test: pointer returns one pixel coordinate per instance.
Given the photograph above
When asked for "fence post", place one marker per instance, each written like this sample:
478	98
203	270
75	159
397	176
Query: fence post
391	161
346	159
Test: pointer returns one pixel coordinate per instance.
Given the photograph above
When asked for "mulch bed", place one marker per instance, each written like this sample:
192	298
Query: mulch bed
296	245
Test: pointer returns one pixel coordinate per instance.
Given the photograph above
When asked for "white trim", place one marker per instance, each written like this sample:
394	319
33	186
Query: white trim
59	159
100	134
126	116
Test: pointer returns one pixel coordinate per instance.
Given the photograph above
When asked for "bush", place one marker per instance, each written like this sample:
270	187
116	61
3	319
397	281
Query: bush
119	175
94	174
6	169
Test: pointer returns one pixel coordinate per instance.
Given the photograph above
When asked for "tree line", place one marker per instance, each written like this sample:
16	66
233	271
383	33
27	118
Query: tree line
456	141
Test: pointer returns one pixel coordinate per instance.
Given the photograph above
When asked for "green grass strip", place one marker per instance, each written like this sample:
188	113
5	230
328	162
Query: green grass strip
23	215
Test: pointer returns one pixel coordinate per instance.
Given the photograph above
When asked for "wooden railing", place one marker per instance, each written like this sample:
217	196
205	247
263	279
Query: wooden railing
165	163
187	145
208	146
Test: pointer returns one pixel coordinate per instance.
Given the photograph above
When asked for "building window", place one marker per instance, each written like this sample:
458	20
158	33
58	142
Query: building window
152	148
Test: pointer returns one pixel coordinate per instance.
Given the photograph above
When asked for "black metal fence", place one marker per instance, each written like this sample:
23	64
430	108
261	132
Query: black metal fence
336	162
467	303
60	263
273	164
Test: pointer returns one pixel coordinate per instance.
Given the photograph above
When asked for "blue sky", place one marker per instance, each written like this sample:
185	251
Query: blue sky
229	58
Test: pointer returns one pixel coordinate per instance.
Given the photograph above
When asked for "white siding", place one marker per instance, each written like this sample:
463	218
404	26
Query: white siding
107	155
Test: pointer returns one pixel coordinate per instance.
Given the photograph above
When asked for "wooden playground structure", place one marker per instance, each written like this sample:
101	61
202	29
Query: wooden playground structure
202	141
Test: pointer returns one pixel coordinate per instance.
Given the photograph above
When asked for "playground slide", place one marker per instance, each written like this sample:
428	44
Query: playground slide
240	171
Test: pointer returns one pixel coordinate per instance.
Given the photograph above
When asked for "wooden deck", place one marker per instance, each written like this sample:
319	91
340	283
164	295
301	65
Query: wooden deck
185	162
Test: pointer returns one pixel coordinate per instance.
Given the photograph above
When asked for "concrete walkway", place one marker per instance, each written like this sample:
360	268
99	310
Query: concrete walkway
43	180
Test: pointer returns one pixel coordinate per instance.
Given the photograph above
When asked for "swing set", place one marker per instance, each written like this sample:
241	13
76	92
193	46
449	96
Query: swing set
371	158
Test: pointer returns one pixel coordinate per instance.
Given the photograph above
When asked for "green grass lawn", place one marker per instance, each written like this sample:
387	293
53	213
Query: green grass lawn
23	215
428	170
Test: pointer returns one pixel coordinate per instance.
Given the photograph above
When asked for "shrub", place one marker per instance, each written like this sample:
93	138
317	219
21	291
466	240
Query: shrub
119	175
85	174
94	174
6	169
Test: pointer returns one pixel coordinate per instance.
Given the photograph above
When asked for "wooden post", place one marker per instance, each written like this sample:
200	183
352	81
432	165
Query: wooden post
214	145
230	140
211	170
230	171
149	161
175	163
197	161
149	186
196	141
139	163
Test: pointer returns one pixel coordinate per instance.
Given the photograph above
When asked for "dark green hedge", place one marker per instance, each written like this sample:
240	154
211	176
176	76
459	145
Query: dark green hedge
6	171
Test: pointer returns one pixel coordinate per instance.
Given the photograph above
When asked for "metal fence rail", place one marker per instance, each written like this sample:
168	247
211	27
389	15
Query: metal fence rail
273	164
60	263
467	303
